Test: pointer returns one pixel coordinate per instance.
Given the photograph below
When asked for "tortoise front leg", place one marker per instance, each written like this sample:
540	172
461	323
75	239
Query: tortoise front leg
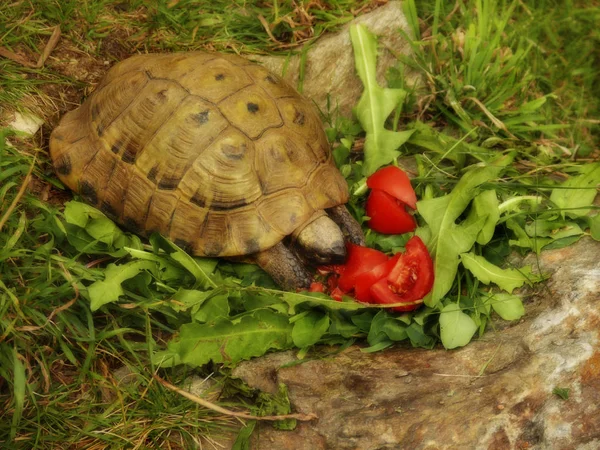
284	267
350	227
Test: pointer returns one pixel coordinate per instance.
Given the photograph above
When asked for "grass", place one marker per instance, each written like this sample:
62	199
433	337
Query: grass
508	75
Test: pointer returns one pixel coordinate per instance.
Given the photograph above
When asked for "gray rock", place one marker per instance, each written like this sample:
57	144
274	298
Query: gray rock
330	67
496	393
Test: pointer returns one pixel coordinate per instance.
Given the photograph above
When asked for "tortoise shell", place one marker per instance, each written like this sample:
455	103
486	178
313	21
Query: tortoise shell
210	150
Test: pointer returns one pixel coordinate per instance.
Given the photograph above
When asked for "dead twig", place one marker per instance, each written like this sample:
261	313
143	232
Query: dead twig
50	45
228	412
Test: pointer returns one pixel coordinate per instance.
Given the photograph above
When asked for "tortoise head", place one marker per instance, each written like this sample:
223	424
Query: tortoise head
322	242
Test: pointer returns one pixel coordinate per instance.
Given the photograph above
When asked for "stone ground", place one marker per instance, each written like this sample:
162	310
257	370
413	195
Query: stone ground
496	393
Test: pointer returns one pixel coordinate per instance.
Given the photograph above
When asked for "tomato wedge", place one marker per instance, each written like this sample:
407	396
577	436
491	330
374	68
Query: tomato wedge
395	182
364	281
387	214
409	281
360	259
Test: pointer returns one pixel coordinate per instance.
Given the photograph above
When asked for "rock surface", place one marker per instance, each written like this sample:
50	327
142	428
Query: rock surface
496	393
329	66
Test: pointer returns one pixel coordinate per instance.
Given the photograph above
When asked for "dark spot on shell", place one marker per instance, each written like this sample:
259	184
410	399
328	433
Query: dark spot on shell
129	153
198	200
213	249
63	165
221	206
251	246
95	111
299	118
100	130
219	77
149	74
184	245
108	209
168	183
131	224
234	152
271	79
201	117
88	192
162	95
116	147
152	174
252	107
293	218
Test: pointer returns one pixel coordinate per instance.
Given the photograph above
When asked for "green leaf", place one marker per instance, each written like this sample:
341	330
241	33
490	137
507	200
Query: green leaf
217	306
418	337
507	306
448	238
200	268
79	213
242	442
310	328
375	104
485	205
456	327
18	391
561	392
577	192
108	290
230	341
595	227
486	272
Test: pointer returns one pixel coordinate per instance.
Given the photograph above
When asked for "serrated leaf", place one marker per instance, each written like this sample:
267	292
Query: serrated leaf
217	306
79	213
486	272
578	192
507	306
485	205
108	290
230	341
456	327
375	104
448	238
309	329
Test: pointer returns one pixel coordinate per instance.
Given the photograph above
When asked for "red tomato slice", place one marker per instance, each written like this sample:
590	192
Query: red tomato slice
316	286
395	182
336	294
360	259
365	280
381	294
387	214
409	281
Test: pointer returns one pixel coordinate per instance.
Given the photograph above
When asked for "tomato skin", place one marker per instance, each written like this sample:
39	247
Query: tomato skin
360	259
316	286
336	294
387	214
382	295
365	280
410	279
395	182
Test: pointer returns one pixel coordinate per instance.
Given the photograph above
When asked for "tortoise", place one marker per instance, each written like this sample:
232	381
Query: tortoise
217	154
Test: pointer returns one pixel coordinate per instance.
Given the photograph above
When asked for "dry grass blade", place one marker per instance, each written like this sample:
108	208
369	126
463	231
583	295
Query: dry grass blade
49	46
20	194
4	52
265	24
228	412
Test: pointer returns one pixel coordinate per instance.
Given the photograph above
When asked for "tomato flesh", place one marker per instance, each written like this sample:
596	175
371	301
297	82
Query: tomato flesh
365	280
316	286
360	259
395	182
387	214
410	279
